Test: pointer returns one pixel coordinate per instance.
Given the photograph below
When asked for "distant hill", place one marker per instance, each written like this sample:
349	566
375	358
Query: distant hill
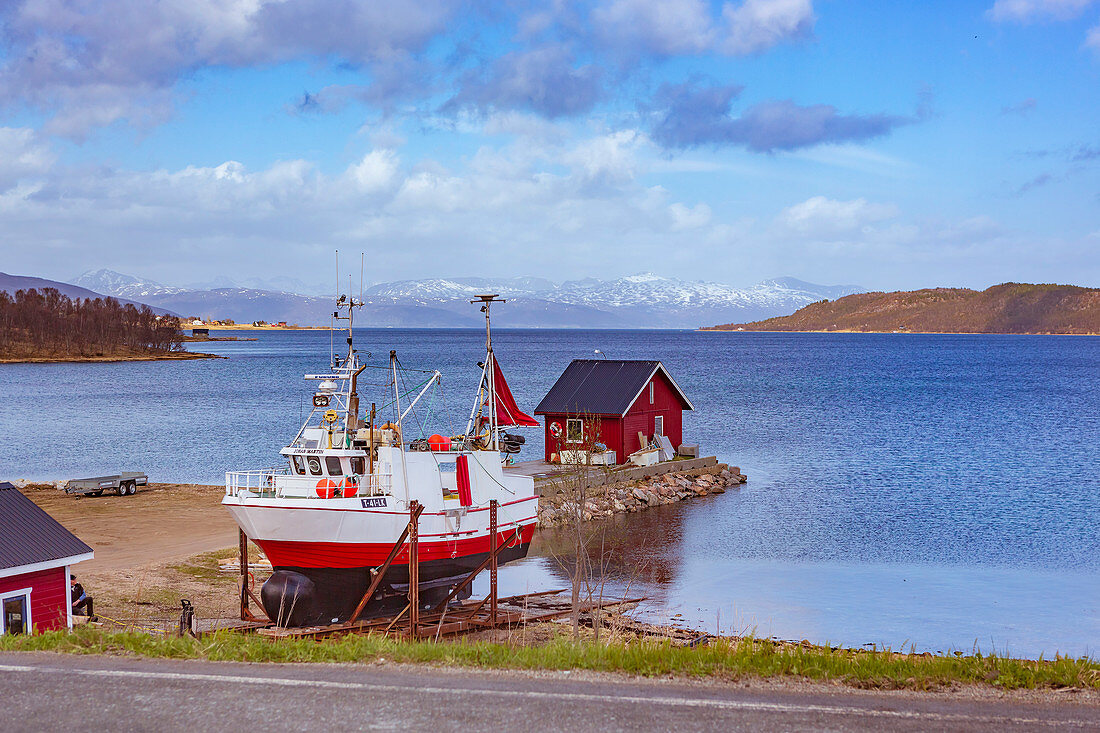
1006	308
637	301
13	283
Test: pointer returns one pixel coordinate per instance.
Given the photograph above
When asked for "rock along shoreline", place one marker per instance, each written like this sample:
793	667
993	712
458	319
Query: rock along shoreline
559	506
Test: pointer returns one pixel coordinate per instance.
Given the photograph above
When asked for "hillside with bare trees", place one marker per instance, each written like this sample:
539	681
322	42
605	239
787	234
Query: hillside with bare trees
1007	308
48	326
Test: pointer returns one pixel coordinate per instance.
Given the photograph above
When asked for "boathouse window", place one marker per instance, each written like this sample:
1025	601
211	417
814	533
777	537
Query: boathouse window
314	465
358	465
16	612
299	465
651	393
333	465
659	425
574	430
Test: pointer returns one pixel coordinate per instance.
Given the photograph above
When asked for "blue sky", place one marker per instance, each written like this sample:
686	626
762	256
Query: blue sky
892	145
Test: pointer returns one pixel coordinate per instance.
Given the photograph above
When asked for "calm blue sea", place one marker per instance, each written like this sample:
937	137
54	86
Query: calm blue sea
933	490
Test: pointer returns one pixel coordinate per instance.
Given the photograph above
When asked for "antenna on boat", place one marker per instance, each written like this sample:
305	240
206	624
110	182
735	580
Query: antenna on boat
332	321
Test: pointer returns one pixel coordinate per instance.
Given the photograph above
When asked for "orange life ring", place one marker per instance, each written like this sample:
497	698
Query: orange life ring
326	488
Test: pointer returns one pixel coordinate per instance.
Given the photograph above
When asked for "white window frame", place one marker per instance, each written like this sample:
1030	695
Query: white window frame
68	598
658	425
568	422
7	596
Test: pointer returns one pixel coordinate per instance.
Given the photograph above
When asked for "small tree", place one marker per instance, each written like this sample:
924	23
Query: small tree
575	485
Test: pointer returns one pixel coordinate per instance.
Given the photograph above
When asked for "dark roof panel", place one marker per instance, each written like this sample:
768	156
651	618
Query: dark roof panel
600	387
28	535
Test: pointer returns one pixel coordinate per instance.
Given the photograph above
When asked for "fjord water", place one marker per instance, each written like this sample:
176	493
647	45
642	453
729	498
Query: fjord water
933	490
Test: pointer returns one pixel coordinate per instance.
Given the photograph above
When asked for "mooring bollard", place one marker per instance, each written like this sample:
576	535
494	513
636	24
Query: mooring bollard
187	618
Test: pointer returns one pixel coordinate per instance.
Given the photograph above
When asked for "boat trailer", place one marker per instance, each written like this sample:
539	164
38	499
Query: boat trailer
446	618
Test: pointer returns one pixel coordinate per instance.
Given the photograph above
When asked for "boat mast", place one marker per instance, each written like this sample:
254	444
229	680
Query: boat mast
490	367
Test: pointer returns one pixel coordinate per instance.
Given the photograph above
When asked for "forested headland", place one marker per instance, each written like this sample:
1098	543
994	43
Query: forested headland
48	326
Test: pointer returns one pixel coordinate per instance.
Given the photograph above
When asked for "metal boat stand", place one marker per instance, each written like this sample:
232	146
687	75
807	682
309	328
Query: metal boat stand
245	591
447	617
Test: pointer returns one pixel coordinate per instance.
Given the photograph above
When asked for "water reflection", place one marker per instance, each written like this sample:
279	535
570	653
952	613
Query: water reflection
673	557
625	552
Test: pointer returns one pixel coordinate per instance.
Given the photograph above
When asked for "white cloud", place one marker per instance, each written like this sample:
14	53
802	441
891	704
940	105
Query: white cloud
663	27
694	217
855	157
22	156
375	172
90	64
1025	11
525	207
823	217
673	27
1093	39
610	159
524	125
757	25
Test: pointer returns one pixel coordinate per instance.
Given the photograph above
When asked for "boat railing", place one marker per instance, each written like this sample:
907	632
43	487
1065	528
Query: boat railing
281	483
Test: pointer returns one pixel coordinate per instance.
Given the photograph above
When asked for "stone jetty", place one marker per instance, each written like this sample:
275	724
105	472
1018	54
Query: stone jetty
559	506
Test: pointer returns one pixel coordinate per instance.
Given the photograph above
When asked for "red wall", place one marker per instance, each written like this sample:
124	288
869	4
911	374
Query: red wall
49	610
621	435
611	434
640	416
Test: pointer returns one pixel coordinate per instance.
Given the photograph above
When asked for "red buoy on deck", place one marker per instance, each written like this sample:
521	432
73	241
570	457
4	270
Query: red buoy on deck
349	486
439	443
326	488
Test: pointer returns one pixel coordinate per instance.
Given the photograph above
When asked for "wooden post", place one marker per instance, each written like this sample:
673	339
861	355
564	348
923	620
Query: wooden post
414	568
243	541
493	562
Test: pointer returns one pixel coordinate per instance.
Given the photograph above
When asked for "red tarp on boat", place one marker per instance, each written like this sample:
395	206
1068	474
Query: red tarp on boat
508	413
462	468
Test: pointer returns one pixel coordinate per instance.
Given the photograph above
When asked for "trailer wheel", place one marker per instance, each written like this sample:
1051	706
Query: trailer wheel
121	490
132	488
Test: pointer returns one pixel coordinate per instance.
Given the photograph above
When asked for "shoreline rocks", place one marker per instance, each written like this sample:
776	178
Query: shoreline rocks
640	494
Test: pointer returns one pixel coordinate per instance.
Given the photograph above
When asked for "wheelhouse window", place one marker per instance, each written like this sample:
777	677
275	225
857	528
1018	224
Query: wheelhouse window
314	464
332	463
358	465
659	425
15	612
574	430
299	464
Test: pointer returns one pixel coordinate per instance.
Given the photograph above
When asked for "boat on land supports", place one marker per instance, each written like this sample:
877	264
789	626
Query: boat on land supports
329	516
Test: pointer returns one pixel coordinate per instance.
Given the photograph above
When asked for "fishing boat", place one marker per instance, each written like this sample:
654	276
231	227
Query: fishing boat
328	516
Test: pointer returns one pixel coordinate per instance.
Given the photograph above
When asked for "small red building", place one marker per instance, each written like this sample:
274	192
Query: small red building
36	554
618	398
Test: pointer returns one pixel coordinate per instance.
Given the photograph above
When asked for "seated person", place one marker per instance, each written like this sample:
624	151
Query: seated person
82	603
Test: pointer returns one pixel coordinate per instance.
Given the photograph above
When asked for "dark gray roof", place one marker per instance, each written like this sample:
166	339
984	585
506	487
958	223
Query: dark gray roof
602	387
28	535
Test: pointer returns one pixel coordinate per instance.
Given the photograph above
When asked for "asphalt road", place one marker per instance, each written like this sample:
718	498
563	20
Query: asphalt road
57	692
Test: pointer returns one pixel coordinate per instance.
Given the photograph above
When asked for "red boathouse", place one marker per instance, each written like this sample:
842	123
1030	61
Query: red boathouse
625	398
36	553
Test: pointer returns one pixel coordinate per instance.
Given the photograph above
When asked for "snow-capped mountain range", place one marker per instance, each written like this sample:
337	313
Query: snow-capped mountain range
638	301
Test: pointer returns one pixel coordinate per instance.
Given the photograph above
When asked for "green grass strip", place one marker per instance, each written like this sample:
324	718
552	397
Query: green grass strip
722	658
